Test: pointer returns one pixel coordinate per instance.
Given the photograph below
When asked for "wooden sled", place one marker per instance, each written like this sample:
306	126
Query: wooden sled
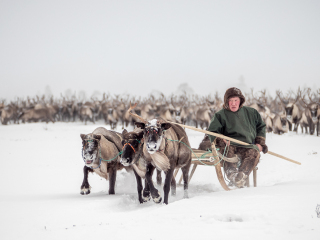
213	159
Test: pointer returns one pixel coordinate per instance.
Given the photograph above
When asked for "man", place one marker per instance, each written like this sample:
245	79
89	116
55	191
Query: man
242	123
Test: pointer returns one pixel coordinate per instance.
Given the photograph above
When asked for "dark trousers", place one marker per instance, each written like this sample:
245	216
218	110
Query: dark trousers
249	160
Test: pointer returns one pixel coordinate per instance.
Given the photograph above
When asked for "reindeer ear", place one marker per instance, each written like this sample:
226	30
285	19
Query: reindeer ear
165	126
124	132
140	125
82	136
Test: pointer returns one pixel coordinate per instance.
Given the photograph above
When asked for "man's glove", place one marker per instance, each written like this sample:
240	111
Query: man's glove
262	142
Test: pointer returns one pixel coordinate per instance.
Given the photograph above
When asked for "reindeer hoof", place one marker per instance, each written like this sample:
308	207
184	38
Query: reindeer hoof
146	199
146	196
157	199
85	191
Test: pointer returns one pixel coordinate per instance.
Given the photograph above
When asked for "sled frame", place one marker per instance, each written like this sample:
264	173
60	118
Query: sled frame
208	161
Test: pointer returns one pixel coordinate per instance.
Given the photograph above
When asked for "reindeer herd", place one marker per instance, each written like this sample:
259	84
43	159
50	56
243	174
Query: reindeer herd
282	113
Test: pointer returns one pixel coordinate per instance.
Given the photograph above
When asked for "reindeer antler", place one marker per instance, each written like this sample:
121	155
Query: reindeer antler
284	101
298	95
310	96
304	100
135	115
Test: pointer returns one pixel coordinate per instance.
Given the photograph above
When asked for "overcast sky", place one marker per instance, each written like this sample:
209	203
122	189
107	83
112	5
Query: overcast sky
137	46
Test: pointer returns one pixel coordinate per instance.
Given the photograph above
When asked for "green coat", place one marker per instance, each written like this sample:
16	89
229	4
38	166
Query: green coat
244	125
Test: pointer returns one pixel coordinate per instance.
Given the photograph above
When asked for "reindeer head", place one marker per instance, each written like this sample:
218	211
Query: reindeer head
131	146
152	131
90	148
290	104
153	134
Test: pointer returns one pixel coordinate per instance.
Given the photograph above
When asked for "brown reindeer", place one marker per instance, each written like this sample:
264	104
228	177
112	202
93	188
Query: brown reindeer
101	154
204	113
9	113
261	105
132	143
292	110
304	123
165	148
35	115
86	113
280	124
312	111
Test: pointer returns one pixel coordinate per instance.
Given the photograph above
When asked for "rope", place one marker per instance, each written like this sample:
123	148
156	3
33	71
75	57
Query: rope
109	159
224	175
202	156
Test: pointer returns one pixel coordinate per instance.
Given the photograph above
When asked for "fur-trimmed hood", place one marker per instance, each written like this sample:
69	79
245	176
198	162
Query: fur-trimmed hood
233	92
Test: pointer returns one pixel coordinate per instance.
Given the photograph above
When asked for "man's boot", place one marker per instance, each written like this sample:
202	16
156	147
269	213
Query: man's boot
240	179
231	171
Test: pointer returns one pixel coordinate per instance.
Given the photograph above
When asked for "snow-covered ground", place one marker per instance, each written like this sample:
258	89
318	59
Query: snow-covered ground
41	174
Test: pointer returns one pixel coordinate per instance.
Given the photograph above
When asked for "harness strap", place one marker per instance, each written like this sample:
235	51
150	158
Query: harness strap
130	146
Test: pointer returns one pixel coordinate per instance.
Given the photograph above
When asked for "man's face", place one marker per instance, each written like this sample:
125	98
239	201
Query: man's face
234	103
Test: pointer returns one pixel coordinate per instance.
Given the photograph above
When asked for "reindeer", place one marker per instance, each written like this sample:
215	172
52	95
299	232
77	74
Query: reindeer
280	124
86	113
148	111
101	154
108	112
132	152
304	123
292	110
312	113
204	113
119	108
162	150
10	113
260	104
177	109
35	115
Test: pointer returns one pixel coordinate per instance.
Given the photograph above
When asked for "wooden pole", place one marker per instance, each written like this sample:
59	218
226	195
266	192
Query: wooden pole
233	140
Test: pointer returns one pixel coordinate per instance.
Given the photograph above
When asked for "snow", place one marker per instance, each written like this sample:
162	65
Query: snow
41	174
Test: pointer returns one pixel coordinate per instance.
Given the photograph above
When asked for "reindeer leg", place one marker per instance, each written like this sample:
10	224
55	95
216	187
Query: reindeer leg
85	187
159	179
296	126
139	186
166	186
154	192
146	192
185	174
173	186
112	180
311	129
